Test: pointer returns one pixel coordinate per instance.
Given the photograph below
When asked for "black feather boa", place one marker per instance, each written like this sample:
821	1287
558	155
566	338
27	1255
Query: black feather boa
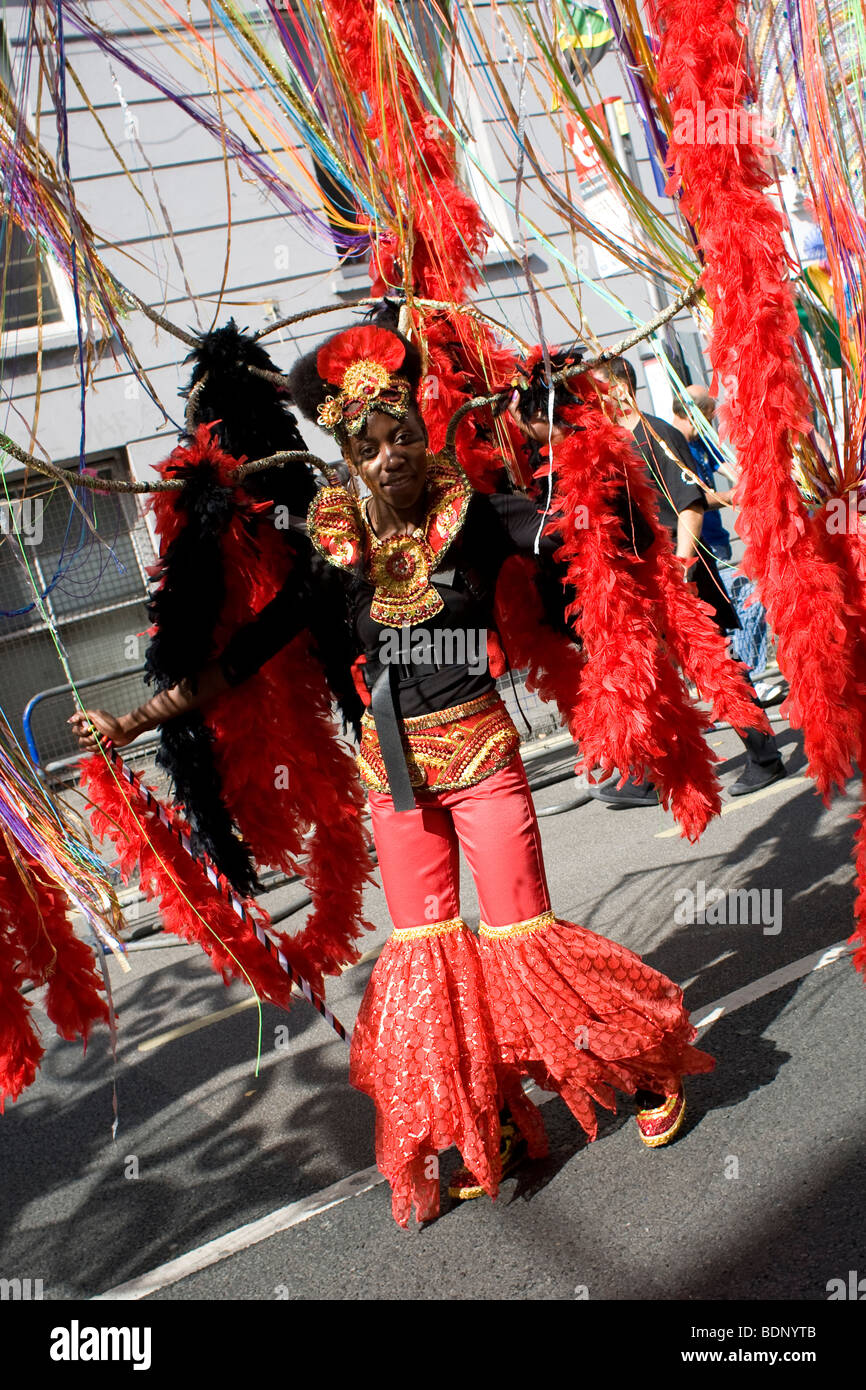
184	611
250	421
251	417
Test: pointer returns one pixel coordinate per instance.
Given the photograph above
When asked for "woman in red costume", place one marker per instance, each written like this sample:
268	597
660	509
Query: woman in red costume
451	1022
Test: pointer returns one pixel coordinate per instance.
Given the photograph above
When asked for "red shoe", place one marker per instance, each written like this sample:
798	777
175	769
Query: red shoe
464	1185
661	1125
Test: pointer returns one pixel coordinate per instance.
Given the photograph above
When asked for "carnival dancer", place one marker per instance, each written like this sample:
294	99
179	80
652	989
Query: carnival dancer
451	1022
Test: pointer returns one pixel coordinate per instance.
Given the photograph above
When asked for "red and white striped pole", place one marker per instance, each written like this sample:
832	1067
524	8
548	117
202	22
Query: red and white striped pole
221	883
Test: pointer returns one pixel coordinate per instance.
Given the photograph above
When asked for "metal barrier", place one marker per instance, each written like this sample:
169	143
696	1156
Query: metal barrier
533	717
58	767
526	708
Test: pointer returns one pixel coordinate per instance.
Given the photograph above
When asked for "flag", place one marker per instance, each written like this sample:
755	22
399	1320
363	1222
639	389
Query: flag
586	33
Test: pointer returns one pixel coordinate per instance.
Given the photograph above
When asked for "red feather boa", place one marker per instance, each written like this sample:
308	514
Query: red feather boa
289	784
464	360
38	944
632	710
284	772
812	585
447	234
702	57
190	907
849	550
446	229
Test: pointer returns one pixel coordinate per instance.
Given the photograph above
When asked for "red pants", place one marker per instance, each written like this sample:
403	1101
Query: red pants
495	824
451	1022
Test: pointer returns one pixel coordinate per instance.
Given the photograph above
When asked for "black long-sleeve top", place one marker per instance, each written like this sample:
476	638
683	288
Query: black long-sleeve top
496	526
670	468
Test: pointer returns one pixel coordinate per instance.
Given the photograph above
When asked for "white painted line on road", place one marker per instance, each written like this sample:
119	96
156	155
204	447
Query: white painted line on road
159	1039
233	1242
769	983
741	802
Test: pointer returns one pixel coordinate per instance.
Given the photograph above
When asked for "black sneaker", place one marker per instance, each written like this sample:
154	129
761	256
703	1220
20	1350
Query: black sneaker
755	776
631	793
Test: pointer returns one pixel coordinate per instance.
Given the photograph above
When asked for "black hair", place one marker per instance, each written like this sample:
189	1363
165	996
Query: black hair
621	368
307	389
534	396
678	408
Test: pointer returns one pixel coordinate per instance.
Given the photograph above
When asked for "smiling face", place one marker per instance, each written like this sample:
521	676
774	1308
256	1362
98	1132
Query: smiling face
390	456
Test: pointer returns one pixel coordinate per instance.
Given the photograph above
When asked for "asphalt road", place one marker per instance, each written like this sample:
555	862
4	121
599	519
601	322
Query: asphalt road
762	1197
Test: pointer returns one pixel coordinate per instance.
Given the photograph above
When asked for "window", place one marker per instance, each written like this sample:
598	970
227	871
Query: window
25	280
29	278
96	602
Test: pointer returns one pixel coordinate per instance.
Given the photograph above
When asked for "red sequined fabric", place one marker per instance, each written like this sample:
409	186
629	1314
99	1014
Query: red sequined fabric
422	1049
583	1015
450	1022
444	753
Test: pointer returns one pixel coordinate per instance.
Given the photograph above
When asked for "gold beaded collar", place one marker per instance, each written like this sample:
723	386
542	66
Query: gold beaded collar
398	567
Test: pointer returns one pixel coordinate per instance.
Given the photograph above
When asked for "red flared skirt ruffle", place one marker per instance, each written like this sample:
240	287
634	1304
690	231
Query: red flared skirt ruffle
450	1023
423	1050
584	1016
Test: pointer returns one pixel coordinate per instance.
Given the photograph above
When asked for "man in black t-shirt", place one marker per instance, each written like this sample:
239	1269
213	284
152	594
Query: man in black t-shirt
682	502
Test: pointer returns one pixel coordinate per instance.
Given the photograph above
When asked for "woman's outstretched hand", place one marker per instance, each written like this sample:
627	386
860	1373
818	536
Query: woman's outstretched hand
106	727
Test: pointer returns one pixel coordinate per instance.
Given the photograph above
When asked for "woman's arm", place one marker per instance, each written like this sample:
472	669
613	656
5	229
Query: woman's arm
278	623
168	704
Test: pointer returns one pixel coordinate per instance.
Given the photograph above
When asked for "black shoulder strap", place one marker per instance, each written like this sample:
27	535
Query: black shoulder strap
384	712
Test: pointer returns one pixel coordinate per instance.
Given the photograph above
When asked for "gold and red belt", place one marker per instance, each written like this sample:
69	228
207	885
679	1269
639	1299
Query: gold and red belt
445	751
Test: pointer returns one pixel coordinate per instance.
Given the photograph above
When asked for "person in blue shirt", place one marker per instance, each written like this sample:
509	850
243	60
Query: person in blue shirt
750	643
707	460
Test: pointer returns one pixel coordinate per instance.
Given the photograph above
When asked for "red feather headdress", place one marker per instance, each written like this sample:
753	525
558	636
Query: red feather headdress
363	362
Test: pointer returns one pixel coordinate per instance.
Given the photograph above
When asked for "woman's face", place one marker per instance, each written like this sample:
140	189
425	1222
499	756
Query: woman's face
390	456
538	426
616	398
